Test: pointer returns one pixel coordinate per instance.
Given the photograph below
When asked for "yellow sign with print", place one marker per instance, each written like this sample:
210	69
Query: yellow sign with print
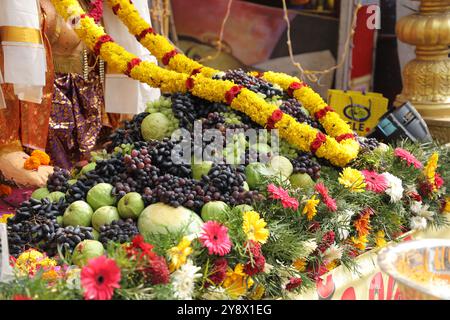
362	111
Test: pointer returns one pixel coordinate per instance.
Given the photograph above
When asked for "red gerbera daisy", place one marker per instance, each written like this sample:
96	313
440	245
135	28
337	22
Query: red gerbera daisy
219	271
278	193
375	182
21	297
99	278
327	199
214	236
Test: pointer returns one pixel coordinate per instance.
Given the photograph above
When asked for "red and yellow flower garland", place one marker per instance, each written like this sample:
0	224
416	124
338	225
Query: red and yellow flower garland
300	135
174	60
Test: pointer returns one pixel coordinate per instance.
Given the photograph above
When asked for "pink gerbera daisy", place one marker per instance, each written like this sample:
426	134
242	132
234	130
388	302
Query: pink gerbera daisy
214	237
375	182
327	199
290	202
99	278
408	157
278	193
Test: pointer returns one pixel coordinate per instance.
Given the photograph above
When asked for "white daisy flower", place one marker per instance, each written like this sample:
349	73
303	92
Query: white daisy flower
308	246
344	220
421	210
183	280
418	223
395	187
334	252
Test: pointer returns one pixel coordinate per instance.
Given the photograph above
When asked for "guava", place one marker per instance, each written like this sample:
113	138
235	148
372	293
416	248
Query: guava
256	172
281	164
131	205
86	250
199	169
79	213
89	167
155	126
160	218
104	215
100	196
302	181
214	210
55	196
95	234
40	193
242	208
245	186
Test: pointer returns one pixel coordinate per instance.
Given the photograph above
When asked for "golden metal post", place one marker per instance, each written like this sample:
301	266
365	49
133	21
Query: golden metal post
426	79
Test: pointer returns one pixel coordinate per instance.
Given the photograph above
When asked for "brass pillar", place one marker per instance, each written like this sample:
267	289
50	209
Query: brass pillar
426	79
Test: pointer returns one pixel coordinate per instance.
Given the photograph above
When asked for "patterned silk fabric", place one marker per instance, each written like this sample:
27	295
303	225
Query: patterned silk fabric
76	118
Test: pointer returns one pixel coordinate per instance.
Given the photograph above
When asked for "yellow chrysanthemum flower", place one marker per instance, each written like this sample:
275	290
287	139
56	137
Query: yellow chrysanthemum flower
254	227
447	205
310	208
380	240
237	282
352	179
360	242
4	218
430	169
178	254
258	293
300	265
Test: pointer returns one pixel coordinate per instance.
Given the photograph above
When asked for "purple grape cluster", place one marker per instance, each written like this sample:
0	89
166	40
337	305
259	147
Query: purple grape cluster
240	77
306	163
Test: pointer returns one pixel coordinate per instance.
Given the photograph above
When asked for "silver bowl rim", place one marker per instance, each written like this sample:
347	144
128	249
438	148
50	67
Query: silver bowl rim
387	255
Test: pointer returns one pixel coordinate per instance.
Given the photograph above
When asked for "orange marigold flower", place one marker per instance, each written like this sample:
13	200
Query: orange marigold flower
43	157
362	224
32	163
5	190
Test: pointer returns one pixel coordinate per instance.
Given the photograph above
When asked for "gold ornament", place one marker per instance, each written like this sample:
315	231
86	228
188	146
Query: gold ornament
426	79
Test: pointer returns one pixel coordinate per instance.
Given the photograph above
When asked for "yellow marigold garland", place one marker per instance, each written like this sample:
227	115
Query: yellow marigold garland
300	135
160	46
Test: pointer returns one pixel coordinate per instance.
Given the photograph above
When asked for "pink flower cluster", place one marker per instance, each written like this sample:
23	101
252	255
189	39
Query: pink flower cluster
375	182
278	193
408	157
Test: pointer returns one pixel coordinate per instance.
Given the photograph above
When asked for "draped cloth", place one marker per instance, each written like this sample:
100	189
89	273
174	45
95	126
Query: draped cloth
23	48
76	118
122	94
22	122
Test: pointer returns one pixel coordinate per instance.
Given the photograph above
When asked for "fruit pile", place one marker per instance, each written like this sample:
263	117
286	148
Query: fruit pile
107	198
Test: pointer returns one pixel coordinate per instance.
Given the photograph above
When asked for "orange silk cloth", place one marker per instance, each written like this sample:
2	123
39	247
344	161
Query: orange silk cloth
26	122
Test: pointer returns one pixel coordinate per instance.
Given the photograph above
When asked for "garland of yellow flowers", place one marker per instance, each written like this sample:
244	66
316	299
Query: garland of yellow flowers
174	60
300	135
